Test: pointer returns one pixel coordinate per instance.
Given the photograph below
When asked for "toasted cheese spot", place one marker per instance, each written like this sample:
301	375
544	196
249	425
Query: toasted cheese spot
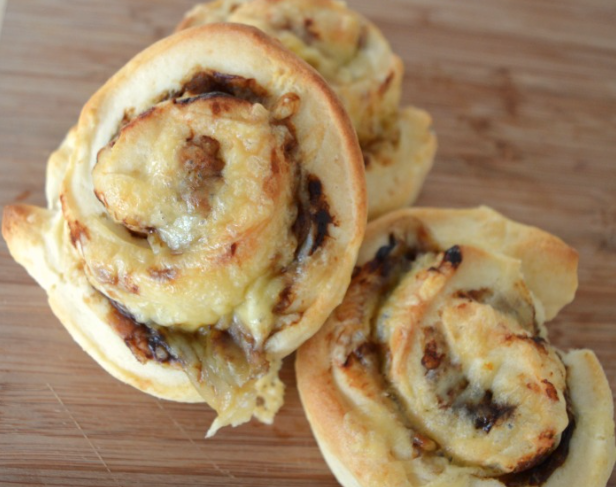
431	358
538	342
77	231
285	299
127	284
550	390
202	165
163	275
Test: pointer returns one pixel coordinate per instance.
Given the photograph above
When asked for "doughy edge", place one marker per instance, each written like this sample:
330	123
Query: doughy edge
549	265
591	397
592	450
354	206
26	230
397	183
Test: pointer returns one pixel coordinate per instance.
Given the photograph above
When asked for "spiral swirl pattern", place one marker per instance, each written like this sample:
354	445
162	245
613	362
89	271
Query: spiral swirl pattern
208	187
437	365
218	169
357	62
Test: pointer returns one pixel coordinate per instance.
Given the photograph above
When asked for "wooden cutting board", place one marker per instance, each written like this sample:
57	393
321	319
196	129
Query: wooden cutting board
523	94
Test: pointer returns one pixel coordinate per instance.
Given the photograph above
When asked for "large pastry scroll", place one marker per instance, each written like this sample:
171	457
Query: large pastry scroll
204	218
436	370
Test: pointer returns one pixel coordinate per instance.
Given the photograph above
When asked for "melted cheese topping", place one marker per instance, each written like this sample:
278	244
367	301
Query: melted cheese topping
353	56
205	190
199	203
208	222
473	375
441	357
218	174
346	49
199	196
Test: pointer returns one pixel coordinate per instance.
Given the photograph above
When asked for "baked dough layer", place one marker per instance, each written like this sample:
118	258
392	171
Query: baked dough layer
436	370
356	60
206	190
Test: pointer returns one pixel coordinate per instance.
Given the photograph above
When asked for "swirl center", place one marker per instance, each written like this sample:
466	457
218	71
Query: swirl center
170	170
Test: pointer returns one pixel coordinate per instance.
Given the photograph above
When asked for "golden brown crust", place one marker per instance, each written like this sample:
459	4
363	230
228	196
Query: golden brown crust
29	232
361	377
354	57
549	265
273	229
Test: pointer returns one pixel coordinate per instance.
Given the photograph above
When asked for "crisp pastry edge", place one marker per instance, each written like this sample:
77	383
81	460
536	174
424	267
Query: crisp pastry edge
593	437
328	412
24	229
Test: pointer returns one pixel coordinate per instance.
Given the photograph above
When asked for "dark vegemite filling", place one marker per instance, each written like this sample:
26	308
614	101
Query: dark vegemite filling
387	267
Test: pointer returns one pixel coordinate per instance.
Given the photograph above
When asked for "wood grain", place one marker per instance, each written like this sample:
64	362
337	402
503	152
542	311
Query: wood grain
523	94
